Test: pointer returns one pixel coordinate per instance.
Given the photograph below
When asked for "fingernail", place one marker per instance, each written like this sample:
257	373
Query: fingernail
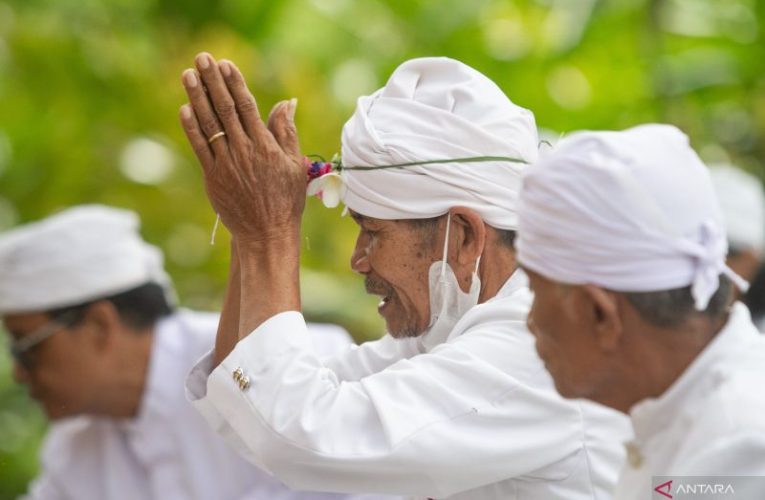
225	68
189	78
203	61
291	108
185	111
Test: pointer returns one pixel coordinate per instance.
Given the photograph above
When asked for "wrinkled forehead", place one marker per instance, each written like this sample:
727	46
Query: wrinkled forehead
360	218
541	283
364	220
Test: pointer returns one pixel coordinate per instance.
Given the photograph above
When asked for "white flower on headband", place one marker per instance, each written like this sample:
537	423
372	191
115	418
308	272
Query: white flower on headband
328	188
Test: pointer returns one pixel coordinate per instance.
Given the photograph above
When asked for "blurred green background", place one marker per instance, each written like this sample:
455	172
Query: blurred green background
90	91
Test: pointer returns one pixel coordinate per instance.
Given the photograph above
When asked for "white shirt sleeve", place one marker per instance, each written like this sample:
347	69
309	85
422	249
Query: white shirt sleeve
358	362
421	427
332	344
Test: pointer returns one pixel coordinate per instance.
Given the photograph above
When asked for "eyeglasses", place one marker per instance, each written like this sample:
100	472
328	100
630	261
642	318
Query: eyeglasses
20	349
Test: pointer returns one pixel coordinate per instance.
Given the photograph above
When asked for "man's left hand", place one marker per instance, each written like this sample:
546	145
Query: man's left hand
254	174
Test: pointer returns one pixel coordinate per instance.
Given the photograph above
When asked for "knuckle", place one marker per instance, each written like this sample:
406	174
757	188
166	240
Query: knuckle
210	125
247	106
225	109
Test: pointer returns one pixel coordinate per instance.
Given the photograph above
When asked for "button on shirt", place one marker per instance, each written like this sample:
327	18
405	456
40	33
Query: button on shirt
474	416
710	422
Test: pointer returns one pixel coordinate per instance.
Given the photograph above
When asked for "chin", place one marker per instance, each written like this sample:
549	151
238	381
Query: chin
403	332
565	389
562	385
56	411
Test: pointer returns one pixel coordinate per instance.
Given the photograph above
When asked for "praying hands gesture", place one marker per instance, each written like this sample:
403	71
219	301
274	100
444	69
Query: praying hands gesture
256	182
253	172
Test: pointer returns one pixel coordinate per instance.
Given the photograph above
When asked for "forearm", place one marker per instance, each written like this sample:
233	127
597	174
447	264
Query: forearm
270	277
228	325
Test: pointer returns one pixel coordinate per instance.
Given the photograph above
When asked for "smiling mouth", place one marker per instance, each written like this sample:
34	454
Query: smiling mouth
376	286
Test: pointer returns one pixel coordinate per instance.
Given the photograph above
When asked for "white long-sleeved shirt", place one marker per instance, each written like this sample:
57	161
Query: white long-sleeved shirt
471	416
167	452
710	422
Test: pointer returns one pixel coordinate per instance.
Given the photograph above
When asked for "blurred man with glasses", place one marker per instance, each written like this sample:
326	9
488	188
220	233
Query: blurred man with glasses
90	317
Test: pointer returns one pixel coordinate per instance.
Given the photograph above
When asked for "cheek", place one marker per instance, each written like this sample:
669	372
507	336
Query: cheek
403	268
62	376
62	396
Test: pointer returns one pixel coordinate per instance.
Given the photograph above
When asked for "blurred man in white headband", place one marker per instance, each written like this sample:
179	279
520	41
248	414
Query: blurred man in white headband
623	241
96	339
742	201
453	402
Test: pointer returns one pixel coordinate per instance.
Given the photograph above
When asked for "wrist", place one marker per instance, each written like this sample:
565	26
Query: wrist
275	238
270	276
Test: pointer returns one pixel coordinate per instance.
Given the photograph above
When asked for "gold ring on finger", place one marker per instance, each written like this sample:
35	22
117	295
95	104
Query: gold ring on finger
215	137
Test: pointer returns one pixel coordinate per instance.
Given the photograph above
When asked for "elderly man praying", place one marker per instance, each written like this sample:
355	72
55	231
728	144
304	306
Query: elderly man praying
622	238
453	402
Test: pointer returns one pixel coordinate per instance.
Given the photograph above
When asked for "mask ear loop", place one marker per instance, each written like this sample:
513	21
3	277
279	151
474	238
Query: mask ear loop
446	245
475	271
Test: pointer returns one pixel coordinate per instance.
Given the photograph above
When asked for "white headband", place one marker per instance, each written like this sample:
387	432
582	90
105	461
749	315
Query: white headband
436	109
632	211
81	254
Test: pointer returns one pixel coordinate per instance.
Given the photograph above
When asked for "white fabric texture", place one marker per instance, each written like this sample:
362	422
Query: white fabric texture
632	211
474	417
167	452
743	206
80	254
434	109
710	421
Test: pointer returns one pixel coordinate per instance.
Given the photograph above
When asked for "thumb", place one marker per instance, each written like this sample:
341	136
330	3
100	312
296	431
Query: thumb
281	123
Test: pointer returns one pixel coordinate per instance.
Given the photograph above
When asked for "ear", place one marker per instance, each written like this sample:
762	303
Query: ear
603	308
472	236
745	263
101	323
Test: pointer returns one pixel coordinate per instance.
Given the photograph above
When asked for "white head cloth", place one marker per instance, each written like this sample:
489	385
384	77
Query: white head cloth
433	109
631	211
81	254
743	206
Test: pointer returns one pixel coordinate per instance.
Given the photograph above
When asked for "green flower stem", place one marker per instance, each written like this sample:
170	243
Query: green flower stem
471	159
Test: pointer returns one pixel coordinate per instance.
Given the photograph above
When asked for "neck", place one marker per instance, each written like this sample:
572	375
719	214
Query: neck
657	358
124	394
497	265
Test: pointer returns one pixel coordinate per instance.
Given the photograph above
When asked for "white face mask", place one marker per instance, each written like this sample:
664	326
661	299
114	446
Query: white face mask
448	303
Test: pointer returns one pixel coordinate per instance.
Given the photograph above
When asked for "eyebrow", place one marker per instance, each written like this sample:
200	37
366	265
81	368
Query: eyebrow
358	217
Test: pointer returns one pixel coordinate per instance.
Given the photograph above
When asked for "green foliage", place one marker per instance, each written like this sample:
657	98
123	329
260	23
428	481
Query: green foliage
90	90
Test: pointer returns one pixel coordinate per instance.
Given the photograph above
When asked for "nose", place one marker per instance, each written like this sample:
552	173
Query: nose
360	257
530	323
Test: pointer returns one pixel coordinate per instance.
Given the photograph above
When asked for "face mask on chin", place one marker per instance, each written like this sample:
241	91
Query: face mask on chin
448	303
